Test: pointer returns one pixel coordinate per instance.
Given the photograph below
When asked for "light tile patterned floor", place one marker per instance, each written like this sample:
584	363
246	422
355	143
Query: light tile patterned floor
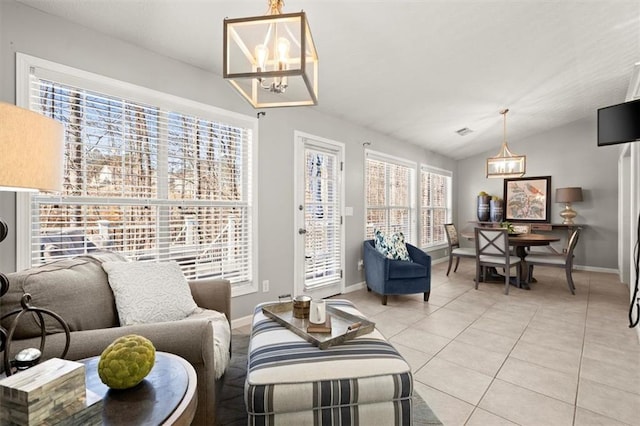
538	357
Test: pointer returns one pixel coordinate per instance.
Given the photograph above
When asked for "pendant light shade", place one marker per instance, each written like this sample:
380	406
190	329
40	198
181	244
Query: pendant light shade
271	60
506	164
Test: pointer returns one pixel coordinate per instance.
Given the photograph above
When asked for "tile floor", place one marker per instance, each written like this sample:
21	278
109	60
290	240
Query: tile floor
538	357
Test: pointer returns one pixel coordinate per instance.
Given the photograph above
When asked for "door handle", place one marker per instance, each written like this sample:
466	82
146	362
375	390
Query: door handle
302	231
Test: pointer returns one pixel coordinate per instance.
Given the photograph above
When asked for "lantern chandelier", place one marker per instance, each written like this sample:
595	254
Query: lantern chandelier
271	60
505	164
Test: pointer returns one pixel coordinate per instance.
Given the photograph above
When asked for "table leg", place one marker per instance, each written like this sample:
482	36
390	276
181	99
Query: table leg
523	270
494	277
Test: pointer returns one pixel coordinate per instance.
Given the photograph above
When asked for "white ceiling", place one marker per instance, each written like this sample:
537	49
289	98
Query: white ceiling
418	70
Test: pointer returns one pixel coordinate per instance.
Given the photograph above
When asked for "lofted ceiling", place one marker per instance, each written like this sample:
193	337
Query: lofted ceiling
418	70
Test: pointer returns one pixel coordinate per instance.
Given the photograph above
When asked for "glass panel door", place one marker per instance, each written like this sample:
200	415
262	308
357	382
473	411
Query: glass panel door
320	234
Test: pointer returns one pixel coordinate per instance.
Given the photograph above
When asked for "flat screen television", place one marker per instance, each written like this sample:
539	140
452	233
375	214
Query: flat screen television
619	123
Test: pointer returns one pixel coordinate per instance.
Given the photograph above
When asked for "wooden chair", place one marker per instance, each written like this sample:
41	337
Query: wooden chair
560	260
492	249
454	247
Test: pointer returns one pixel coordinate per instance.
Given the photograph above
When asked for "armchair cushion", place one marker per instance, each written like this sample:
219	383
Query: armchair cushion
401	269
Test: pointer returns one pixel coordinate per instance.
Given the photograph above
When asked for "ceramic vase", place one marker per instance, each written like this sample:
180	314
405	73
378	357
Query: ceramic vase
483	208
496	211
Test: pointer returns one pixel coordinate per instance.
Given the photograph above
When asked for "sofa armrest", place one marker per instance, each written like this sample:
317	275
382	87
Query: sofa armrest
212	294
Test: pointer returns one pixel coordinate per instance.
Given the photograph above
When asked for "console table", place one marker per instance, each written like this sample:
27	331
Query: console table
167	396
535	226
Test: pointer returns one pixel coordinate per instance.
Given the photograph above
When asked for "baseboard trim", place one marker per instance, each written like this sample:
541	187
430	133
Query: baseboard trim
595	269
355	287
241	322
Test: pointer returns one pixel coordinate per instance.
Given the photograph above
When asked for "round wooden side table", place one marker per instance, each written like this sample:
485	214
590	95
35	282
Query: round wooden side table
167	396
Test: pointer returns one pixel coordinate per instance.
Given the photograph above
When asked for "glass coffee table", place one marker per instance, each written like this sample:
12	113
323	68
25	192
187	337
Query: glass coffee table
167	396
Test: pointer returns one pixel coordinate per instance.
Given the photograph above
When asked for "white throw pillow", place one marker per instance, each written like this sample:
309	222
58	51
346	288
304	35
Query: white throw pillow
147	292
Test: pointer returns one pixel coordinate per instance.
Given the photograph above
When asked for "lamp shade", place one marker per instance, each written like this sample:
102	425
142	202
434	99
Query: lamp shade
568	195
31	150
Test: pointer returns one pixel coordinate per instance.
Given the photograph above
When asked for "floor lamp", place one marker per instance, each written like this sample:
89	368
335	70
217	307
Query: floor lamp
31	159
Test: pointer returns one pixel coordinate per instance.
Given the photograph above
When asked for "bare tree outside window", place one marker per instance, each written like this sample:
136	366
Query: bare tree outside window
149	183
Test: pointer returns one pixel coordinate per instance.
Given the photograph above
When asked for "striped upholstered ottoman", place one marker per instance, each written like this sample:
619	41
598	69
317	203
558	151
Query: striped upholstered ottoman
363	381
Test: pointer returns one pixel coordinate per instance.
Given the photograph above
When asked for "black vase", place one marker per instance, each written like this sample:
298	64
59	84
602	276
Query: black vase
496	211
483	208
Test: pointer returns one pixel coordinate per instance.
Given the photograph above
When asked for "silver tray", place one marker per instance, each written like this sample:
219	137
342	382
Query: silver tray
344	326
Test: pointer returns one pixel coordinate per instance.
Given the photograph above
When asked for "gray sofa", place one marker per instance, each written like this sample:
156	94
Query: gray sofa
78	290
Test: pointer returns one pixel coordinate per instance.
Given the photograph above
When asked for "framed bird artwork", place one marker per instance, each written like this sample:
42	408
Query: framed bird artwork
528	199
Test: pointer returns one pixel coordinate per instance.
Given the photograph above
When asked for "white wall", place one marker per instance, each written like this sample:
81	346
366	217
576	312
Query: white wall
570	155
26	30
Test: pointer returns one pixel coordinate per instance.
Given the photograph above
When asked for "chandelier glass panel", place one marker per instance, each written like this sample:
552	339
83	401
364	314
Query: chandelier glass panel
506	164
271	60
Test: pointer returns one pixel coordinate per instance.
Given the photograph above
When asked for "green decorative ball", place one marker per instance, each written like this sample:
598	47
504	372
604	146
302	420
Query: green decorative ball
126	361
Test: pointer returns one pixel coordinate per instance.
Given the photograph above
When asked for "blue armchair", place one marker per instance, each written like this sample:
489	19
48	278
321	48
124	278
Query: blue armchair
387	276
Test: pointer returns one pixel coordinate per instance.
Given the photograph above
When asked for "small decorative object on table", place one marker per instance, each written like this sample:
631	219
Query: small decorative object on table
301	306
324	327
318	311
126	361
51	392
508	226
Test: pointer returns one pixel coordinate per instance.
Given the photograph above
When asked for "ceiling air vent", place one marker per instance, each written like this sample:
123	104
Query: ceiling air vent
464	131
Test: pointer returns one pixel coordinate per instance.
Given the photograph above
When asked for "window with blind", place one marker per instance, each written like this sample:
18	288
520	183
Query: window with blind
435	205
389	193
148	175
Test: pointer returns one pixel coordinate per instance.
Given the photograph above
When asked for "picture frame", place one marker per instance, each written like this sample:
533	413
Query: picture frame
527	199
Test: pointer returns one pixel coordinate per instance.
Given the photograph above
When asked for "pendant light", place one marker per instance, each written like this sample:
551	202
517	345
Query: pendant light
271	60
505	164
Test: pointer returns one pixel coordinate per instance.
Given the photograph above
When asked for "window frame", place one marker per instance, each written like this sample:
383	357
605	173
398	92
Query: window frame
413	210
99	83
425	168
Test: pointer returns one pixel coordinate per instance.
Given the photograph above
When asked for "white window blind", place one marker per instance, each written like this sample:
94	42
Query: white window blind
323	254
436	201
389	192
149	181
